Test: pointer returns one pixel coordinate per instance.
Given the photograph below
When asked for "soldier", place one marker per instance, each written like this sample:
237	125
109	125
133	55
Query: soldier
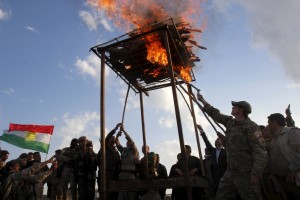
285	155
53	180
246	154
84	158
67	161
3	158
14	185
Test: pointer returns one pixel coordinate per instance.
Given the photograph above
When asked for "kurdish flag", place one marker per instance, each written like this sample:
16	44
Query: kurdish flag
34	137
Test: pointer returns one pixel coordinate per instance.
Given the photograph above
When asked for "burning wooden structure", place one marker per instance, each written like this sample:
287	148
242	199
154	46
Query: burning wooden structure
149	58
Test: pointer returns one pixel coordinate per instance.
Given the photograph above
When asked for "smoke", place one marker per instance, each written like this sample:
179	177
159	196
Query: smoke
130	14
274	25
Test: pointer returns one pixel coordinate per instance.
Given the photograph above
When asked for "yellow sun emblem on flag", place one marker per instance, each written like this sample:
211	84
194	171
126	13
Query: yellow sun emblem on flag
31	136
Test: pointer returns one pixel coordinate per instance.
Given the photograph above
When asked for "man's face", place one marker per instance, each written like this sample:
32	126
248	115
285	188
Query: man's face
188	151
4	157
16	167
82	143
30	157
273	127
218	143
74	144
23	162
236	110
37	157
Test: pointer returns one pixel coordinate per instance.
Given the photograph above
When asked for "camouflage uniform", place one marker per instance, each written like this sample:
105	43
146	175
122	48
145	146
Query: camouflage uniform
86	163
246	156
67	173
17	184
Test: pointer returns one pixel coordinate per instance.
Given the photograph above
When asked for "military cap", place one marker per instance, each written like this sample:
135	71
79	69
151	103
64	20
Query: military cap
243	104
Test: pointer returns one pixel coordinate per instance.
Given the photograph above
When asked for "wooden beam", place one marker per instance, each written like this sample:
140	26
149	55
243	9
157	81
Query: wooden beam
157	183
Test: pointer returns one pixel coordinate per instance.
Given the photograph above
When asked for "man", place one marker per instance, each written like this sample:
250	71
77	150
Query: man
208	161
112	162
162	173
15	185
285	155
84	159
219	158
67	166
129	159
35	190
152	169
246	154
177	193
152	163
194	169
3	158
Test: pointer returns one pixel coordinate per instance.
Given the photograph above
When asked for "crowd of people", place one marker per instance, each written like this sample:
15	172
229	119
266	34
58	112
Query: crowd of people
263	162
248	162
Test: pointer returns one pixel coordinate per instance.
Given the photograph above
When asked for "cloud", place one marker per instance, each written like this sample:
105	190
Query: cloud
4	14
105	24
69	77
90	67
86	124
274	26
31	29
293	85
167	122
89	20
93	20
8	91
168	151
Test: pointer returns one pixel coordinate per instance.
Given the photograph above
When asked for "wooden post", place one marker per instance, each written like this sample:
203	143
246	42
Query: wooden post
178	118
103	186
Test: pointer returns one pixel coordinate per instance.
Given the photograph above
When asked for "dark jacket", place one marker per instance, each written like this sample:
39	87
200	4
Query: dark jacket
218	168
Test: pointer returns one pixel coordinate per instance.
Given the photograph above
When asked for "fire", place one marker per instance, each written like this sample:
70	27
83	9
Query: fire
133	14
185	72
157	53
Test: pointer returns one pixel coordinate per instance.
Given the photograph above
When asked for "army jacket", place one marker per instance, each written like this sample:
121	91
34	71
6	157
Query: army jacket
244	144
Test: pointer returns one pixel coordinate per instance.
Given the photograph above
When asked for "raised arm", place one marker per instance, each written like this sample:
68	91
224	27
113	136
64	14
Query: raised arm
112	132
214	113
205	139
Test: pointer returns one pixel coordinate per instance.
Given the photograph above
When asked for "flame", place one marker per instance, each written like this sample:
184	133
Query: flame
135	14
185	72
156	53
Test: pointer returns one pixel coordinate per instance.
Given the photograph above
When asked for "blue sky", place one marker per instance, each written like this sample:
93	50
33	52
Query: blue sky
48	76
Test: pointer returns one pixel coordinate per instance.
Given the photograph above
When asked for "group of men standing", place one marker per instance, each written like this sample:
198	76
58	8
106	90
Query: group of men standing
247	156
255	164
